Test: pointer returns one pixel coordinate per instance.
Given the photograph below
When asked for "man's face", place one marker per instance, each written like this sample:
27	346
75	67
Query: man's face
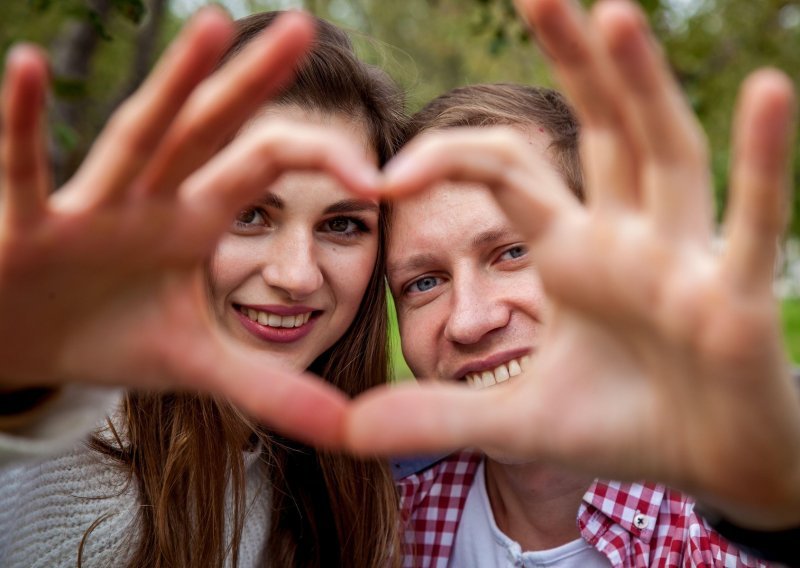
469	300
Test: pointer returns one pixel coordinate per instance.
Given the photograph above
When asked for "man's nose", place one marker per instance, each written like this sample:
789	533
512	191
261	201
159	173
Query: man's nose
476	310
293	265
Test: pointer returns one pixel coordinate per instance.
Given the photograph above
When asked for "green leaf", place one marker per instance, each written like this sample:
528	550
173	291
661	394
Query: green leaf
40	5
499	42
133	10
65	137
68	88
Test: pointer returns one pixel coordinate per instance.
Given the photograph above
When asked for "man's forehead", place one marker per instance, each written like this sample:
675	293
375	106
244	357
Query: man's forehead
449	217
443	207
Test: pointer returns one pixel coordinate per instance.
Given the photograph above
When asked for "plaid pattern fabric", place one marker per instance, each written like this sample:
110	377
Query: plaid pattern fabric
634	525
431	503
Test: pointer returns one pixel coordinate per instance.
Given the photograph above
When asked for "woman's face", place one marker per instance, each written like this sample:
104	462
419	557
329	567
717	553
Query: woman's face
289	275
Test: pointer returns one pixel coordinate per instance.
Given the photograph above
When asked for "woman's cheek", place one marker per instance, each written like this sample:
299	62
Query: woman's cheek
353	274
228	269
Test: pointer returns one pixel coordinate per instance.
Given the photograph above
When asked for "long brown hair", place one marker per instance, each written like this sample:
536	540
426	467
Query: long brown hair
185	452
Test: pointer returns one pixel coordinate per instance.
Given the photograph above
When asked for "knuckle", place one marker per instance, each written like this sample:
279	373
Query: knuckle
125	129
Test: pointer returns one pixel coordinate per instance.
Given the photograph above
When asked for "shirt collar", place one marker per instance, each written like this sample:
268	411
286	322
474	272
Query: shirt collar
633	506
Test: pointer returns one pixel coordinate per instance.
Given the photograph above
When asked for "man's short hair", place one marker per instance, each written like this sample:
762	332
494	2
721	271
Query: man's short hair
511	105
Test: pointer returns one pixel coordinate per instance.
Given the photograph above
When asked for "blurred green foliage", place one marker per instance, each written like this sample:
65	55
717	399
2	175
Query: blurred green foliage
791	326
401	370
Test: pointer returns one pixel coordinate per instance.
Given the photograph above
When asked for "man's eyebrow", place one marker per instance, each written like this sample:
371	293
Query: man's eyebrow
352	206
412	263
421	261
493	235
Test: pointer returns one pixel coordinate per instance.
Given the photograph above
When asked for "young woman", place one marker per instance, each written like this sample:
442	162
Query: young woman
188	480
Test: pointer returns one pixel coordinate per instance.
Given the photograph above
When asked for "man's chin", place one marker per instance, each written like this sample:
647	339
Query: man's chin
507	459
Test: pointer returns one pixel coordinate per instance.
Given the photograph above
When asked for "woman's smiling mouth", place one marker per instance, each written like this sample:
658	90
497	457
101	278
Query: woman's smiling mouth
275	320
268	325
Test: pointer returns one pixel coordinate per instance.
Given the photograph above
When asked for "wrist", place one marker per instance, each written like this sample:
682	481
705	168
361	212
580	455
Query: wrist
18	408
775	545
773	504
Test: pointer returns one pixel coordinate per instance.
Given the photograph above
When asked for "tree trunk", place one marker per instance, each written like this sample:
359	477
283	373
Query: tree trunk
146	43
73	51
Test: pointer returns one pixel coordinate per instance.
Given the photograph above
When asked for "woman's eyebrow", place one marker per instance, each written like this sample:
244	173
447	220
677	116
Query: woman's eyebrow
272	200
352	206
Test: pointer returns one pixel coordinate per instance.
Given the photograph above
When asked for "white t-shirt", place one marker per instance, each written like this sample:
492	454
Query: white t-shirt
481	544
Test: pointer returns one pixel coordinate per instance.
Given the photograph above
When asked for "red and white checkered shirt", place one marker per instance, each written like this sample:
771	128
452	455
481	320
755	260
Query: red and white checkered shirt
634	525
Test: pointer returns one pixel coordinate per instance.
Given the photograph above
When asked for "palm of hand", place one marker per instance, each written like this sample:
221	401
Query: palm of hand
145	292
104	281
644	362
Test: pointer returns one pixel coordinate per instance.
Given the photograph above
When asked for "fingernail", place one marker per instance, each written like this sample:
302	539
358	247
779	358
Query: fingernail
17	52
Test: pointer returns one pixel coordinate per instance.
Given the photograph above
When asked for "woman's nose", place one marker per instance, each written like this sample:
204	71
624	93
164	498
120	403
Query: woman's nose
293	266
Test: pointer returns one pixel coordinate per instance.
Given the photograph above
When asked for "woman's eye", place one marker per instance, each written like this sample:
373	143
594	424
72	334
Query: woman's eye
423	284
251	217
514	252
346	226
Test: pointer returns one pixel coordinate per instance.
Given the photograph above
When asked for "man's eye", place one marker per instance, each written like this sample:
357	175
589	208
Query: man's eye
514	252
423	284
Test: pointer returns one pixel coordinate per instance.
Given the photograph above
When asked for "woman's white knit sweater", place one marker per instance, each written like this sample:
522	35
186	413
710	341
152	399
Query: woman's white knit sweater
47	504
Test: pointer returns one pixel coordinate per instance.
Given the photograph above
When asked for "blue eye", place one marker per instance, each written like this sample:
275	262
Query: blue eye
424	284
514	252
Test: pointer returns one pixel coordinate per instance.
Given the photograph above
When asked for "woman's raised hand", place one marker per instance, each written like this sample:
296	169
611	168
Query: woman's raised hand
102	282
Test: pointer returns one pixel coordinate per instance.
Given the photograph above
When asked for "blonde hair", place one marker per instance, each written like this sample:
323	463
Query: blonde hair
511	105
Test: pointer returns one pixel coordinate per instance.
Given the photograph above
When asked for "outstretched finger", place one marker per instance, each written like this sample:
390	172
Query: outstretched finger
674	171
760	179
300	406
524	182
222	104
584	70
135	131
432	418
243	170
23	157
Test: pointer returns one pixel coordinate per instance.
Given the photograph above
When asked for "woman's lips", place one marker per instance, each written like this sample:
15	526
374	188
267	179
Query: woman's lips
276	327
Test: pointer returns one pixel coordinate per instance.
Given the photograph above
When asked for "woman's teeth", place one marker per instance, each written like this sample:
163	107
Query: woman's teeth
274	320
499	374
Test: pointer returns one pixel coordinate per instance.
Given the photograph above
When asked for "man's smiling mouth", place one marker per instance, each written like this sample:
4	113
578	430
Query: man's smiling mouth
499	374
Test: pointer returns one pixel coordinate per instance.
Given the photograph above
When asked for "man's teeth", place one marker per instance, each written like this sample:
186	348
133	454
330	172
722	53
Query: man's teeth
499	374
274	320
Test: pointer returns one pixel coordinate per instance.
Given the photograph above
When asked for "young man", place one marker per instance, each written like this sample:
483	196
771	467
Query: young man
654	356
472	309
